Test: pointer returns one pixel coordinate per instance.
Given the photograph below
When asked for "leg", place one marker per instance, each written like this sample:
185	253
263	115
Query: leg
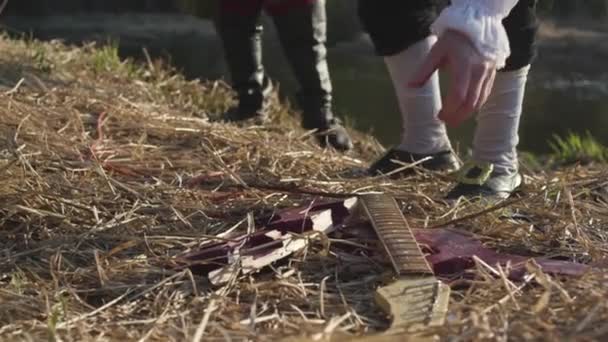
496	136
400	31
302	30
422	132
241	33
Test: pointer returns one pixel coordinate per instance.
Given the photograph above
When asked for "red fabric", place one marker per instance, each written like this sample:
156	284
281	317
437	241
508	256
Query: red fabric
252	7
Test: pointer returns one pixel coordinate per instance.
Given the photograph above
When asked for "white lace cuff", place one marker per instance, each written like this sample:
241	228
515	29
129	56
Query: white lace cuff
481	21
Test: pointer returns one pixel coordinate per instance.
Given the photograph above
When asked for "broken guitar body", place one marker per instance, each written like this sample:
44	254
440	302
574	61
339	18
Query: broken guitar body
415	299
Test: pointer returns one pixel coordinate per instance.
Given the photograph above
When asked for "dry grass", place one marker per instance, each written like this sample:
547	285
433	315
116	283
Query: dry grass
96	160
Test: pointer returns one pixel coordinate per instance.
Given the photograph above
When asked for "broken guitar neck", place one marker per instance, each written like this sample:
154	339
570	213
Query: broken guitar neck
398	240
416	300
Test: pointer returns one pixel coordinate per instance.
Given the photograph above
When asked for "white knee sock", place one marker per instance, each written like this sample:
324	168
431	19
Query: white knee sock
422	131
496	135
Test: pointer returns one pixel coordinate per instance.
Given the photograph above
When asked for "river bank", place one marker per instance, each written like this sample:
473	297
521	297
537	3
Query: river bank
567	91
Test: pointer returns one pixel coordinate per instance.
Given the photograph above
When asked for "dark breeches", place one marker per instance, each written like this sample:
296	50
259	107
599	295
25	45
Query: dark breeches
301	27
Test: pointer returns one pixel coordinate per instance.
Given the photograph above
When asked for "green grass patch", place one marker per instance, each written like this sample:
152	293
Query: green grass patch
577	148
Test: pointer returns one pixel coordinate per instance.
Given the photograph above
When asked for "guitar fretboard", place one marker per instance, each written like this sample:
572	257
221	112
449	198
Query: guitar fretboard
394	233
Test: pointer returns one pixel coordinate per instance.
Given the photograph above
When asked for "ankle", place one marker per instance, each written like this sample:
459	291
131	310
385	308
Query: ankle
425	147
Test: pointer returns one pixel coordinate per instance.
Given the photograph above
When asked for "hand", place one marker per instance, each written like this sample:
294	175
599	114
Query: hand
471	76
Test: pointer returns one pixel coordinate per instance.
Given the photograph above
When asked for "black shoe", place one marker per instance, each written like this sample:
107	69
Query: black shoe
479	181
334	136
254	104
442	161
328	130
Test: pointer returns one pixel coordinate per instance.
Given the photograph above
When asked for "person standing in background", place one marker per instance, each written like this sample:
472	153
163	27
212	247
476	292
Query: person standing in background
302	30
472	40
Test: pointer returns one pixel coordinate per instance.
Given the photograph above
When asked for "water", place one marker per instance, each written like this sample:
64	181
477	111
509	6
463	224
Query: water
567	92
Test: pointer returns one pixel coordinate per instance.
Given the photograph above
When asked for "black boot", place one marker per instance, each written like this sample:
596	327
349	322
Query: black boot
303	33
242	41
442	161
329	130
480	181
253	104
334	135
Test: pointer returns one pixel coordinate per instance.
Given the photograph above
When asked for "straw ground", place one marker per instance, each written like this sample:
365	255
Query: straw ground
108	169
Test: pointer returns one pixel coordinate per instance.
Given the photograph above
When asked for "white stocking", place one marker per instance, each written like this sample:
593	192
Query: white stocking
496	136
422	132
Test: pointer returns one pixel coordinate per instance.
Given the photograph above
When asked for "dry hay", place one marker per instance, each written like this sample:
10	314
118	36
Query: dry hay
96	162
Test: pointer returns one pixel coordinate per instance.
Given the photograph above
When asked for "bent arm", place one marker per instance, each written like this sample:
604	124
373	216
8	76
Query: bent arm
481	22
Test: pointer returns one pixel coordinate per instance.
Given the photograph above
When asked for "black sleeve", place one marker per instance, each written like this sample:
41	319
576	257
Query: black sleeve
394	25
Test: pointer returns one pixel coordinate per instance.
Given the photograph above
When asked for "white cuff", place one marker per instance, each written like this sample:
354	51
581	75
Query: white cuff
481	21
